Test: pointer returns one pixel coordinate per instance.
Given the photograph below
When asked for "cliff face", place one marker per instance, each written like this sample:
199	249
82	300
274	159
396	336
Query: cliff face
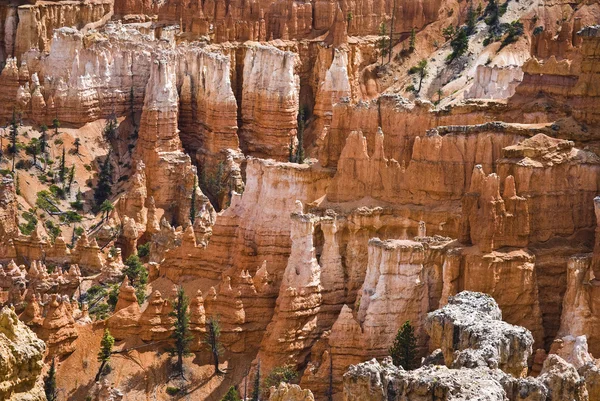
22	355
478	345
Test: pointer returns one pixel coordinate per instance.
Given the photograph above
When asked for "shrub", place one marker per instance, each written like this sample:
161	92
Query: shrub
143	250
280	374
171	390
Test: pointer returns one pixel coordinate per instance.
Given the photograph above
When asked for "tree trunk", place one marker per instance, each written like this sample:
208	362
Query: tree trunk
100	371
180	363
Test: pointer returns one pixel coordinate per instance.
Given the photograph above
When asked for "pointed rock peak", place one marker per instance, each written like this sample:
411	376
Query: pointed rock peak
477	178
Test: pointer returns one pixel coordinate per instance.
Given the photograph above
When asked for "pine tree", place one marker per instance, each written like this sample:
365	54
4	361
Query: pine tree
256	389
71	178
391	45
43	139
460	45
471	19
279	374
330	387
77	144
299	158
62	171
56	124
492	17
404	349
33	149
14	132
213	332
106	207
291	155
138	276
412	41
106	345
420	69
232	395
383	41
110	129
103	189
50	383
181	329
440	93
193	202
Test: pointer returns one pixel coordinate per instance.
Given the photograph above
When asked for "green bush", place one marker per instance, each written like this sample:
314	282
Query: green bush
27	228
53	229
279	374
144	250
171	390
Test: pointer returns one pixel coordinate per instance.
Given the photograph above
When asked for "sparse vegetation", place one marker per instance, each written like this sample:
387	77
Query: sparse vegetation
104	187
110	129
279	374
232	395
382	43
514	31
171	390
421	71
30	217
459	44
471	19
53	229
143	250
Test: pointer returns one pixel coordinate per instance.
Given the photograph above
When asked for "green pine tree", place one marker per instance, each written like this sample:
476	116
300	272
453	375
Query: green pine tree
492	17
299	158
181	329
106	345
213	332
138	276
50	383
382	43
71	178
232	395
412	40
13	134
56	124
43	138
256	389
471	19
106	207
62	171
460	45
77	144
193	202
104	188
404	349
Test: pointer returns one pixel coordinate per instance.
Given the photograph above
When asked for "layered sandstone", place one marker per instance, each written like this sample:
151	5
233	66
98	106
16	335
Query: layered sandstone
269	102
